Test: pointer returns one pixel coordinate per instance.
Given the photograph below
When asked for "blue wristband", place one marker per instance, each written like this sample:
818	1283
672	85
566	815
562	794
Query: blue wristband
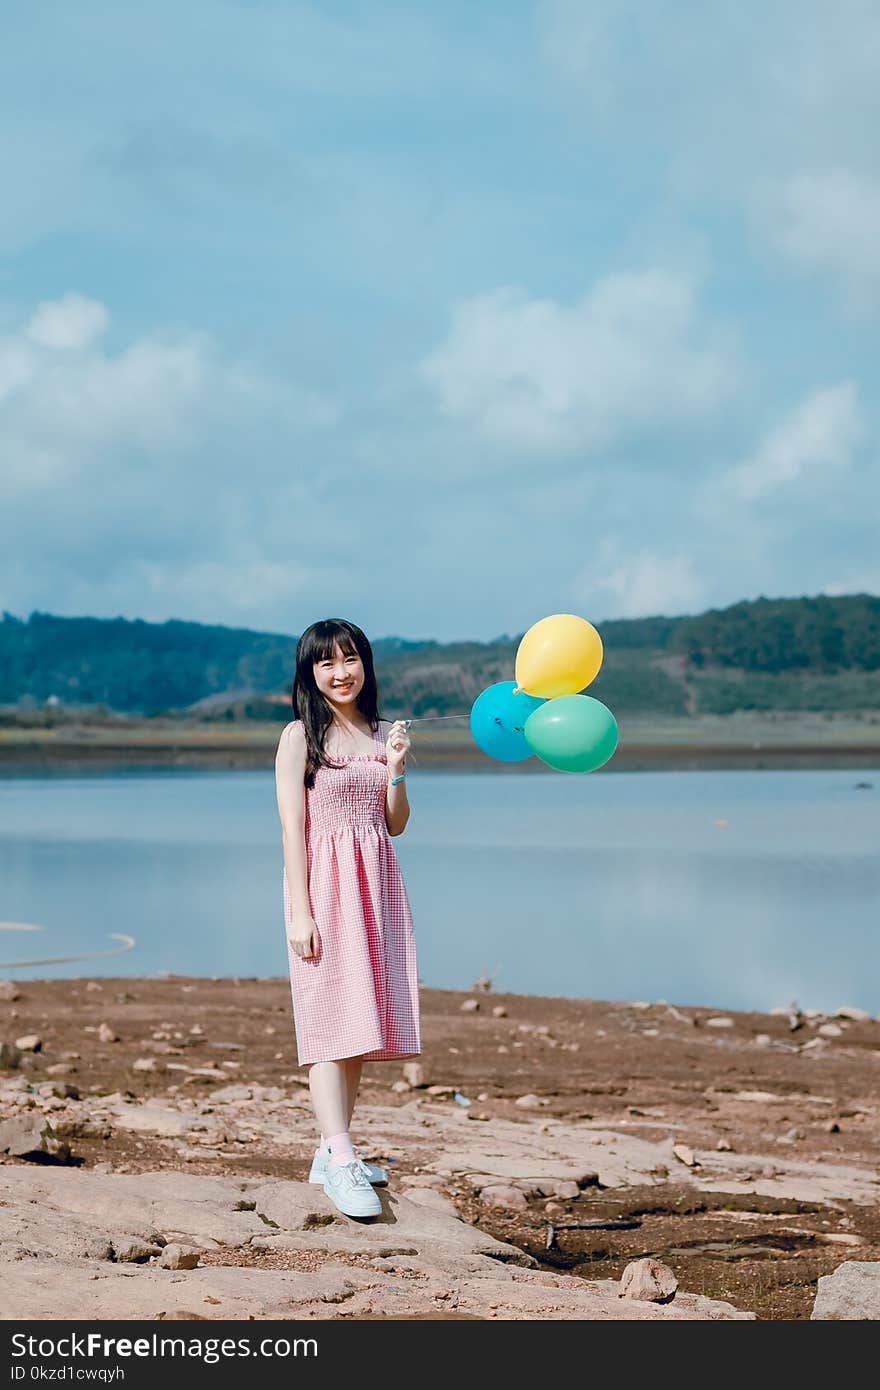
394	780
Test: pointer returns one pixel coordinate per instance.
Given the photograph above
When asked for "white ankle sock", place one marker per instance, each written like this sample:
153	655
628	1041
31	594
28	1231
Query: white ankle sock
341	1150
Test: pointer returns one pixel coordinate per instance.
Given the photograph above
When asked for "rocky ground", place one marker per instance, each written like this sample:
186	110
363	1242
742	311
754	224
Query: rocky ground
156	1136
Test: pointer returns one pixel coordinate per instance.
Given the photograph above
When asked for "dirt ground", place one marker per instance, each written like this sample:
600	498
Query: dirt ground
759	1087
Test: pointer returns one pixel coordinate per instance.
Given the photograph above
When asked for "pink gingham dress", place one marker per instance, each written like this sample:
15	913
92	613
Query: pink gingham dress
359	996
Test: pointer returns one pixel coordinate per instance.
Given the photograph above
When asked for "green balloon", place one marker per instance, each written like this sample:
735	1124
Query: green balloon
573	733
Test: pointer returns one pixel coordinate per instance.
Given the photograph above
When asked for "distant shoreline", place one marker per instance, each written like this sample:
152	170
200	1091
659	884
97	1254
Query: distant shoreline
804	741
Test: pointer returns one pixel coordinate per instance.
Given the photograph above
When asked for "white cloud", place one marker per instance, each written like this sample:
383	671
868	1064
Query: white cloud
772	110
640	584
630	356
69	408
815	440
70	322
827	221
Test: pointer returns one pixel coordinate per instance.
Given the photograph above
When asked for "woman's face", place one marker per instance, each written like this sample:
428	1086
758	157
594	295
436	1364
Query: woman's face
340	679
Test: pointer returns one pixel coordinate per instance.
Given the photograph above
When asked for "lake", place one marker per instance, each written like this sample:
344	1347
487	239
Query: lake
733	889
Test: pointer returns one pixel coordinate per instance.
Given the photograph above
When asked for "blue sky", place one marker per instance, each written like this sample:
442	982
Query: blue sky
438	317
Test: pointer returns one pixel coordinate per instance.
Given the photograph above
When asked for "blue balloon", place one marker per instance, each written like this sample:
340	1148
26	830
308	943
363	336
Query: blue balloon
497	720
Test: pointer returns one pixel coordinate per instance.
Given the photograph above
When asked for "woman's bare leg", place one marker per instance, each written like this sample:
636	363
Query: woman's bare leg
328	1087
353	1067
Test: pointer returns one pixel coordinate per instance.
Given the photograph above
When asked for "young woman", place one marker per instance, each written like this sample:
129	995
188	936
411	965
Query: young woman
340	781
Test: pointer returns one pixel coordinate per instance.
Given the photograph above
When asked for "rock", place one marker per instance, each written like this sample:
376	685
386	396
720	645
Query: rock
400	1085
504	1195
10	1056
530	1102
178	1257
30	1134
831	1127
684	1155
567	1190
723	1146
106	1034
830	1030
59	1069
31	1042
414	1073
852	1292
719	1021
853	1014
65	1090
131	1250
553	1208
429	1197
144	1064
762	1040
8	991
470	1006
648	1281
93	987
499	1011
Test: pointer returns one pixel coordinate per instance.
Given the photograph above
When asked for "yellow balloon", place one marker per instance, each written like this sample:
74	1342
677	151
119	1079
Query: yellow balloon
559	655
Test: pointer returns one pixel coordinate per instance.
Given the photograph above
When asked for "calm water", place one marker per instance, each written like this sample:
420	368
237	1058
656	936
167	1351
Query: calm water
615	886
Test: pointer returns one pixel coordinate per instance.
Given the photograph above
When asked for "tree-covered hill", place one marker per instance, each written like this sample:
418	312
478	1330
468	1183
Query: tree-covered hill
818	653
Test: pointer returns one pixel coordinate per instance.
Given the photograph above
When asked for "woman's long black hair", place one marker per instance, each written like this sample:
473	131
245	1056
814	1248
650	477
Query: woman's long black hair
318	643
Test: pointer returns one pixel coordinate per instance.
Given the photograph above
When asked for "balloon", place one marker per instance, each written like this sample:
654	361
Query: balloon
559	655
573	733
498	717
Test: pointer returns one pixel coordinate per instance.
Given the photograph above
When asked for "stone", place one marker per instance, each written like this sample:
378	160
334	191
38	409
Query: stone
853	1014
8	991
106	1034
648	1281
400	1085
31	1042
723	1146
719	1021
430	1197
470	1006
851	1293
144	1064
504	1195
567	1190
132	1250
414	1073
178	1257
499	1011
93	987
830	1030
762	1040
10	1056
31	1134
684	1155
530	1102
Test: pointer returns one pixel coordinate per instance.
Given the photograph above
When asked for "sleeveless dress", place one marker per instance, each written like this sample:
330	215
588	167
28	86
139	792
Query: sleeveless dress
359	995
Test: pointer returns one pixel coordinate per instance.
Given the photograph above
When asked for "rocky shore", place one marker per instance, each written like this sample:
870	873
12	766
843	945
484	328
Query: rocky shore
548	1158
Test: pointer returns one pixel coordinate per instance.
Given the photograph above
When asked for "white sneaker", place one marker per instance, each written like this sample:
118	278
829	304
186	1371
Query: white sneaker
372	1172
350	1190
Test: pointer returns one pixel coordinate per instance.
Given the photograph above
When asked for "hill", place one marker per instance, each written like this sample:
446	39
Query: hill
798	654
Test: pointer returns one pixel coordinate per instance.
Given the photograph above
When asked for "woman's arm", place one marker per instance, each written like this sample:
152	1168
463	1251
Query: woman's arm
290	767
397	807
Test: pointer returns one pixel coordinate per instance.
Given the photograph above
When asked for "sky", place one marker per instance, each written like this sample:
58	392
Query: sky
440	318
